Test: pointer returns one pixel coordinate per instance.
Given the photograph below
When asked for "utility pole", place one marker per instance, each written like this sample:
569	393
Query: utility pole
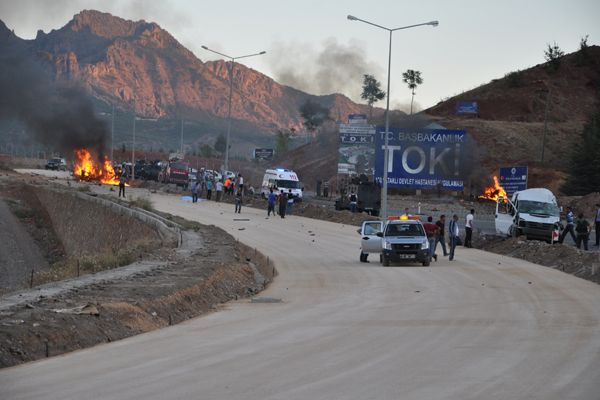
133	148
182	136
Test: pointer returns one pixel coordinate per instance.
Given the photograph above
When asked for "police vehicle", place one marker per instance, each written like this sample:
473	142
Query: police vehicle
397	239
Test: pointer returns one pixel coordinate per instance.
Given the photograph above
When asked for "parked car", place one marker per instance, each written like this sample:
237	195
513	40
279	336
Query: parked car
56	164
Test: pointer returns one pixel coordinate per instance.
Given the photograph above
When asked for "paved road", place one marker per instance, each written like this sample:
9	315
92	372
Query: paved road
482	327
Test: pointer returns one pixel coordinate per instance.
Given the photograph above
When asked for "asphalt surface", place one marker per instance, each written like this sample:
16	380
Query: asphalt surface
481	327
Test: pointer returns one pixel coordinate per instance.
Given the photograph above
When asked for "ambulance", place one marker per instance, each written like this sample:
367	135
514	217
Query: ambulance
282	179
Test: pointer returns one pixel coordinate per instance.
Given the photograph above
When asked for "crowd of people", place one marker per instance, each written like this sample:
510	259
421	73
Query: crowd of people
283	200
580	229
206	186
436	234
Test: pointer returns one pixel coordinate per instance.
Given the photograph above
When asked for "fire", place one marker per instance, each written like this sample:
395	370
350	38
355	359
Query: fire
87	169
494	192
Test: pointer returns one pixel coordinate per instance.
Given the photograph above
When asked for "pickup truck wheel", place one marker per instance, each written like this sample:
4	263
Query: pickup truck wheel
385	261
426	263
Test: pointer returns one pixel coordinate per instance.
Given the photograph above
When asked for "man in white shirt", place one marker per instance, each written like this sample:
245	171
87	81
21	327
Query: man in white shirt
469	228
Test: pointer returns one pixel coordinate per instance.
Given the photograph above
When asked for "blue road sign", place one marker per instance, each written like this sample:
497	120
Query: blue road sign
513	179
467	107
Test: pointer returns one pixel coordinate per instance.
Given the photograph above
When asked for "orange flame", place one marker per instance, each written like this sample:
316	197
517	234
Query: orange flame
87	169
494	192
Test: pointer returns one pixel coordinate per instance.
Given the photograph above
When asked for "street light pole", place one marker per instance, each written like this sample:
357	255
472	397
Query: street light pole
232	61
112	133
384	188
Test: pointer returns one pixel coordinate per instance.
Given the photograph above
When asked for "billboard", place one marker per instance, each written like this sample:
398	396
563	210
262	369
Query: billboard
513	179
467	107
356	152
422	158
264	154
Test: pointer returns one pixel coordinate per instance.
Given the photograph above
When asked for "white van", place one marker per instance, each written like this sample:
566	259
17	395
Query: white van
532	212
281	179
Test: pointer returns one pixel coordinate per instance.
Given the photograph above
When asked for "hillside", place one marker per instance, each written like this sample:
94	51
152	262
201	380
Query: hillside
139	64
510	126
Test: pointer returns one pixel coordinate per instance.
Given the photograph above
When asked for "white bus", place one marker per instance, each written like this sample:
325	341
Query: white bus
282	179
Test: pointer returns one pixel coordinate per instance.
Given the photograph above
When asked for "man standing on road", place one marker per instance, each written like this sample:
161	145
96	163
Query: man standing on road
122	181
582	227
597	225
238	201
441	223
290	203
271	203
195	192
240	182
431	230
282	203
219	188
453	231
469	228
569	228
353	201
209	188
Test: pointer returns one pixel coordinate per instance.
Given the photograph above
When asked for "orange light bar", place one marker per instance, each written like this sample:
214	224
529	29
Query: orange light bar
403	218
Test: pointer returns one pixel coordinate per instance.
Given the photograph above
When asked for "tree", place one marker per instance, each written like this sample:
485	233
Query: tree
552	54
220	144
206	151
371	92
314	115
283	142
583	55
584	168
413	79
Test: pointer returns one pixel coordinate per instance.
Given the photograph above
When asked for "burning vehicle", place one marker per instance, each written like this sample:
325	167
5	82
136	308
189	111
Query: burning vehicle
90	170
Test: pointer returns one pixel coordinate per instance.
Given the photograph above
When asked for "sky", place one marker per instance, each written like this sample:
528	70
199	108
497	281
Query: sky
311	45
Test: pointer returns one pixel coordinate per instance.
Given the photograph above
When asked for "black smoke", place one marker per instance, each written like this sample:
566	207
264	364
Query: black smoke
57	114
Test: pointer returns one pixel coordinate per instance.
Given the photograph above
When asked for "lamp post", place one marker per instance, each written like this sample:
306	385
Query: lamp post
232	61
384	188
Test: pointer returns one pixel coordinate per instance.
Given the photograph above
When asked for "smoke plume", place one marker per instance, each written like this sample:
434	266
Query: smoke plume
336	68
58	115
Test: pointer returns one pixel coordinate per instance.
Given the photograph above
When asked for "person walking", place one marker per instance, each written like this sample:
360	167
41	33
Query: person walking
226	185
209	188
240	183
441	223
353	201
569	228
290	203
122	181
195	192
597	227
219	188
453	232
469	228
282	203
238	201
271	200
582	227
431	230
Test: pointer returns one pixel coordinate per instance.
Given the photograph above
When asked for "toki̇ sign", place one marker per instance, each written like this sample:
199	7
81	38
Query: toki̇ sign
421	159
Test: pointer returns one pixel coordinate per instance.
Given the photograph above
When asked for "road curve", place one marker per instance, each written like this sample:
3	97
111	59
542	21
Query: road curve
482	327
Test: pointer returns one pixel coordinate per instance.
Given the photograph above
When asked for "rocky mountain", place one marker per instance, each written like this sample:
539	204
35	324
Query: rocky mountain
139	64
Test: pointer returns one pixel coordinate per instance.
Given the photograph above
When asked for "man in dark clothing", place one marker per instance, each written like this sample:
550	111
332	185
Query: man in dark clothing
122	181
282	203
569	228
441	223
238	201
431	230
271	200
582	227
453	231
353	201
597	220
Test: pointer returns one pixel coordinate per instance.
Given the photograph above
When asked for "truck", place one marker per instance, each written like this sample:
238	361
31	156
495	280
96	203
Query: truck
367	192
400	238
533	213
282	179
177	172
